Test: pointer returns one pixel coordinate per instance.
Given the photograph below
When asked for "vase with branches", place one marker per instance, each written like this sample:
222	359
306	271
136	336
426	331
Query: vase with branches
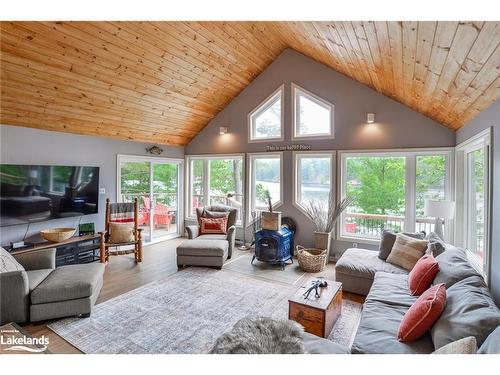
324	216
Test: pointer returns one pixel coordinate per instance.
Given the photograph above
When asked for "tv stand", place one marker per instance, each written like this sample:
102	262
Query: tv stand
76	250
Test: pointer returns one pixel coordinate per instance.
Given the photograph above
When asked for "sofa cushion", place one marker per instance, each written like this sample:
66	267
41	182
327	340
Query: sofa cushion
422	275
436	245
364	263
8	263
387	242
470	311
453	267
318	345
422	314
492	343
467	345
35	277
69	282
383	310
407	251
200	247
221	237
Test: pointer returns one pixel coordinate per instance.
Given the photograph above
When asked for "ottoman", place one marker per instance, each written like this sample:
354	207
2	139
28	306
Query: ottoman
67	291
208	253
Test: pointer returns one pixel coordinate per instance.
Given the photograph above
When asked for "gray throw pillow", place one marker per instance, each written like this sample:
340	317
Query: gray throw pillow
436	245
453	267
469	311
387	242
492	343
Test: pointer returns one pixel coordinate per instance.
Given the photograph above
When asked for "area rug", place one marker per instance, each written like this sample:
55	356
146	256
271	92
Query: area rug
185	313
243	264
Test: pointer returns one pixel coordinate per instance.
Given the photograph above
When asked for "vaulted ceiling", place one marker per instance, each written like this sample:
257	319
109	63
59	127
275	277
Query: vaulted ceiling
162	82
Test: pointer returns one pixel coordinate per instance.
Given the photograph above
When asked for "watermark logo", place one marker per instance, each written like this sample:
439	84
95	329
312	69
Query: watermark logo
12	340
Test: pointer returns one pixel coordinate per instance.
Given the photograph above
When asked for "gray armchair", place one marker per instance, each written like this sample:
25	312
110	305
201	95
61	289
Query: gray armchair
214	212
19	275
33	289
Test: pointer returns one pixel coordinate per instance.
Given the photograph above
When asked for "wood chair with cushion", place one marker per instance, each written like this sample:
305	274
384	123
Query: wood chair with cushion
121	229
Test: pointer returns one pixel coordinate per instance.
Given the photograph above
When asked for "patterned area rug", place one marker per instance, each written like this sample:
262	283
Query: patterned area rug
185	313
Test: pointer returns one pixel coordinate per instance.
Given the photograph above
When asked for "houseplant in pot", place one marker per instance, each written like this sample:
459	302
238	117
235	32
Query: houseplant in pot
323	217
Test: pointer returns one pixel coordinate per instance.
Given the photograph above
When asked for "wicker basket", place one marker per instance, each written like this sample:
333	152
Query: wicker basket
57	234
310	259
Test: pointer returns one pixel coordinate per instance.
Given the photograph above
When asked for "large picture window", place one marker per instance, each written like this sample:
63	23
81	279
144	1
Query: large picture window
265	173
215	180
313	178
266	121
312	115
390	190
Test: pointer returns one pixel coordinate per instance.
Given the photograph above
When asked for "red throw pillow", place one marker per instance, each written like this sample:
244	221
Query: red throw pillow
422	275
422	315
213	225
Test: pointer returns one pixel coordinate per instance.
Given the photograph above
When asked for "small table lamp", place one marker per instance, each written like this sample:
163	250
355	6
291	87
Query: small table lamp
439	210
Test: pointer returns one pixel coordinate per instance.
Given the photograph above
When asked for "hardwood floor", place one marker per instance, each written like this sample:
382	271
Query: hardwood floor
123	275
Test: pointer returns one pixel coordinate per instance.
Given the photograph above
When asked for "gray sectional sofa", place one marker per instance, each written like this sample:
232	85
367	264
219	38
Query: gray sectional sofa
470	310
32	289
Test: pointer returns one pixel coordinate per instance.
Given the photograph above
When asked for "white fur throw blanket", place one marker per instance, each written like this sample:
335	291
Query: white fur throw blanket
261	336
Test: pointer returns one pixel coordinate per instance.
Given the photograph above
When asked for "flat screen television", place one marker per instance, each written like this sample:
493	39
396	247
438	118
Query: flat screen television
32	193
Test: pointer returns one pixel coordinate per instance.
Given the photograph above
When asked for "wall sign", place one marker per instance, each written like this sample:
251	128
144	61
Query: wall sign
295	147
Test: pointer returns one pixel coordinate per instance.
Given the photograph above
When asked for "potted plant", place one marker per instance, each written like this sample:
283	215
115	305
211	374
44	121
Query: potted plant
270	220
323	218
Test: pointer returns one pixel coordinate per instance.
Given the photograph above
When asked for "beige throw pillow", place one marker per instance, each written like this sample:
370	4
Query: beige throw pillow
121	232
467	345
406	251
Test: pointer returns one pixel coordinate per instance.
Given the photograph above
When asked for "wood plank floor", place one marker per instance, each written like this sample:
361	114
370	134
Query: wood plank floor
123	275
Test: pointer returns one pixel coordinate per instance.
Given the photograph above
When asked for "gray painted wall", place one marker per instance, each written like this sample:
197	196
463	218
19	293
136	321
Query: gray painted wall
31	146
486	119
396	125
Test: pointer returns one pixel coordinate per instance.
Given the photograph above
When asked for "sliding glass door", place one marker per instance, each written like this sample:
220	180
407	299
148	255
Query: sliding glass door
155	182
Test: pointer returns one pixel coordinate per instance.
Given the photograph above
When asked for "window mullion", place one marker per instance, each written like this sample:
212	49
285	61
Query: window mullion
206	182
410	199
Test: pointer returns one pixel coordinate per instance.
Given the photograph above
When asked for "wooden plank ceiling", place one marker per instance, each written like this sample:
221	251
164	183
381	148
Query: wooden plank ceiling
162	82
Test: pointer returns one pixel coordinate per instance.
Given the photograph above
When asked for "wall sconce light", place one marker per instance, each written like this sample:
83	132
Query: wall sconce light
370	118
222	130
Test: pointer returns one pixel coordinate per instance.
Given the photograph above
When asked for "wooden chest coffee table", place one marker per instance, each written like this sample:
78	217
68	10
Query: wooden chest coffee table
317	315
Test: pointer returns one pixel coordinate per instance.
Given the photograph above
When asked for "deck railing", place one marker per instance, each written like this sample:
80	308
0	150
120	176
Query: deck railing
372	225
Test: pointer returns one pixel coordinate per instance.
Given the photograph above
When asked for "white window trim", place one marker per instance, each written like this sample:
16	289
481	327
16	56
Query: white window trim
263	106
482	139
251	178
295	114
410	155
206	181
297	155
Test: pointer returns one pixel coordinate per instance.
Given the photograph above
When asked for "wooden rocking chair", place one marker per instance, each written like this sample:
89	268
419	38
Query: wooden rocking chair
121	213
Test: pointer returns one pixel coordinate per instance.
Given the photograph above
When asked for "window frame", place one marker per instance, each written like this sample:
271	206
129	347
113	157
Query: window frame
262	107
410	186
297	156
462	150
206	181
296	90
251	157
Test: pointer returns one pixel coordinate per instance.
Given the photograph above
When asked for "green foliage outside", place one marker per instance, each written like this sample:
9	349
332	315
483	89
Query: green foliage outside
378	185
135	179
